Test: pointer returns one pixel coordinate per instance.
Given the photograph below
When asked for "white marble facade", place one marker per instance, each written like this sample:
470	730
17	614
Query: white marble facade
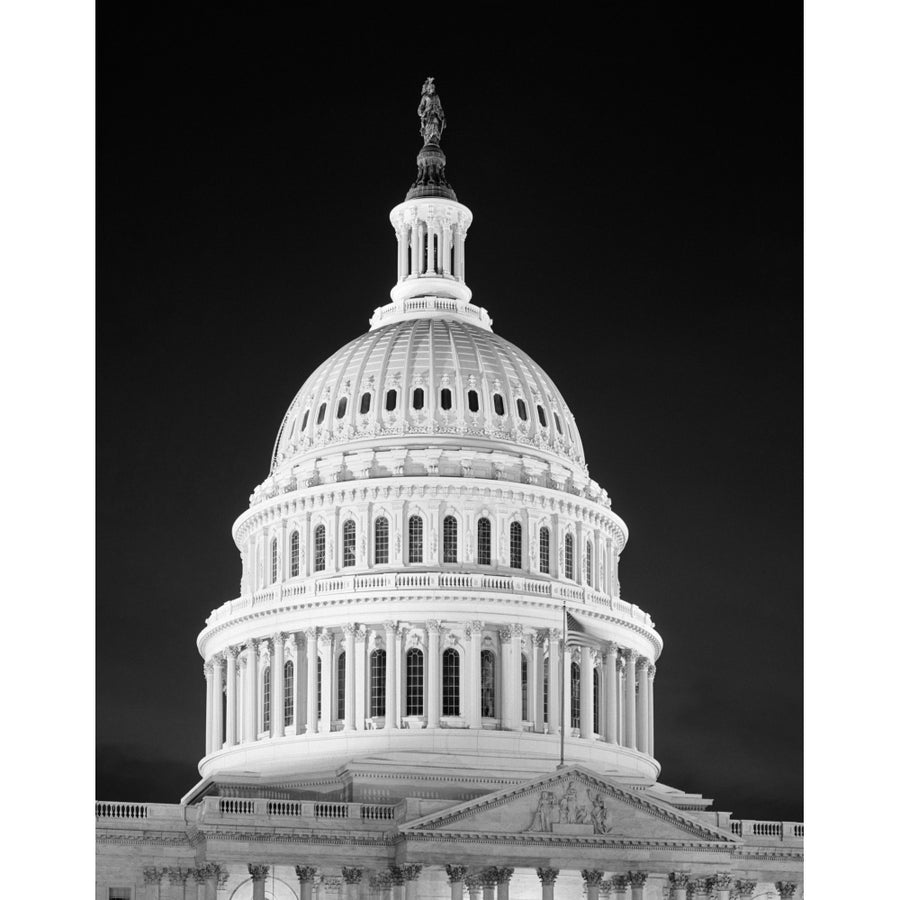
430	613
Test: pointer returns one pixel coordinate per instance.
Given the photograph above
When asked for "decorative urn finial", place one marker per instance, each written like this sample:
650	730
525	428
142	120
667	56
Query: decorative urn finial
431	181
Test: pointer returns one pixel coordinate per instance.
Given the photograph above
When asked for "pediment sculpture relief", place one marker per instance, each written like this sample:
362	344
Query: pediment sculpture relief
562	813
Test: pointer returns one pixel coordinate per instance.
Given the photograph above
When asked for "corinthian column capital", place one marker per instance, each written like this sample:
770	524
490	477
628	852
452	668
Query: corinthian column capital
257	872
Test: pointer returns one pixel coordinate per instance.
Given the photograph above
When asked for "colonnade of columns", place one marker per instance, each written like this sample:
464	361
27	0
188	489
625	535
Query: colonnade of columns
506	677
400	882
431	246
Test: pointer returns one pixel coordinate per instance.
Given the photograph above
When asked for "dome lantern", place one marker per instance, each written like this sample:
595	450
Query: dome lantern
431	226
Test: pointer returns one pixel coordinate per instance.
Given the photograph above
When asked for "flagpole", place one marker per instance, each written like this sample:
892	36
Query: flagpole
562	689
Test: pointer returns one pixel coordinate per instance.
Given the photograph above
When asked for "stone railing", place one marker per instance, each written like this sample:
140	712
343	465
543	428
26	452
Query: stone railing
106	810
325	585
316	810
755	828
430	304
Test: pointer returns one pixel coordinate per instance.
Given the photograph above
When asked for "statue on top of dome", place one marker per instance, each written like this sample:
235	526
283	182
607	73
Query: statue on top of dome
431	114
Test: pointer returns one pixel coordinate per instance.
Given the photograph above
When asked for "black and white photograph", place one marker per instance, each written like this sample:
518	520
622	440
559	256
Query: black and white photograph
446	501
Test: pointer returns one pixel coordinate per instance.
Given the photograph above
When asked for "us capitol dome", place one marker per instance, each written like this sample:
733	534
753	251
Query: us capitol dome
431	682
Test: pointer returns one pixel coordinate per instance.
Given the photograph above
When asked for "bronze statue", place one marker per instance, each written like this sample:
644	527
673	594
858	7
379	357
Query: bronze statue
431	114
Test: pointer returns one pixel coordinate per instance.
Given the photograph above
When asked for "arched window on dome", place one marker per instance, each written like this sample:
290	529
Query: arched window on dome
569	557
267	699
544	547
589	563
450	683
320	418
273	561
382	541
515	545
342	408
349	543
390	400
473	401
415	682
377	673
288	693
341	685
575	703
418	398
521	409
484	542
295	553
450	539
542	417
365	403
319	548
524	687
499	407
305	420
415	539
597	696
446	398
488	677
558	424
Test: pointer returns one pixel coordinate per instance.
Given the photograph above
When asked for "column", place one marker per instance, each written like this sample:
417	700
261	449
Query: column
192	885
390	660
312	681
786	889
397	882
326	645
278	685
460	253
593	878
536	683
588	659
350	679
251	716
209	875
720	886
230	696
217	662
697	889
445	256
210	696
429	249
679	882
416	264
434	674
643	707
456	875
473	711
744	888
305	875
553	712
507	681
651	673
548	879
359	651
637	881
258	874
352	878
504	873
401	249
630	698
411	872
473	886
609	677
515	699
152	879
489	883
620	887
176	882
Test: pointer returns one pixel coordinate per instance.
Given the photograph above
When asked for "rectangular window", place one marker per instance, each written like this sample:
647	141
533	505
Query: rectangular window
415	683
576	696
449	540
349	543
415	539
382	542
484	542
289	693
377	674
341	685
119	893
320	548
515	545
525	716
450	672
545	550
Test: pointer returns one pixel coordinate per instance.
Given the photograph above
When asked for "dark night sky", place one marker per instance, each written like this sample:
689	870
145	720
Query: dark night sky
636	181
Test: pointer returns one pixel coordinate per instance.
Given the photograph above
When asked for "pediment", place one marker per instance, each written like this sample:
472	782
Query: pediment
572	803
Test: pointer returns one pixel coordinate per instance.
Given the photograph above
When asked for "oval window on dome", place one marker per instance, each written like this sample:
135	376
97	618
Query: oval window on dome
446	398
558	424
364	403
305	420
473	401
418	398
390	400
342	408
320	418
542	418
499	408
520	408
